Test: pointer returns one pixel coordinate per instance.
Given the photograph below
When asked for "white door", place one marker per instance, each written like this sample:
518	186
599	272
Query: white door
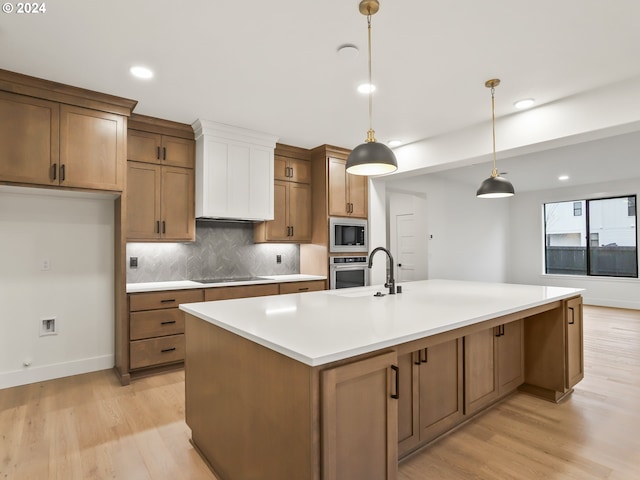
407	246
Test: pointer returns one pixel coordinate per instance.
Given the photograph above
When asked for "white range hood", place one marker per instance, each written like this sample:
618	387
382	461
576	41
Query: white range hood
234	172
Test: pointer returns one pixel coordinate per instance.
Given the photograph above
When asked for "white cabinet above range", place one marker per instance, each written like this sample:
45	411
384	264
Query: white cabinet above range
234	172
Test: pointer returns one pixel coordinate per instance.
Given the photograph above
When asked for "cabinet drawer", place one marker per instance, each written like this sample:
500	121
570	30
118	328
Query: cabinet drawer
241	291
155	323
155	351
298	287
166	299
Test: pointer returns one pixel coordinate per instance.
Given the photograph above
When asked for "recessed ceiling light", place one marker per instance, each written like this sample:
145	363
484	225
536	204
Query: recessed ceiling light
524	103
563	178
139	71
394	143
366	88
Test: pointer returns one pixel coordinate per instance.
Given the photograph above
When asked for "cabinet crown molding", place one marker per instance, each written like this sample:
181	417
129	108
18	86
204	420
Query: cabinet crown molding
212	129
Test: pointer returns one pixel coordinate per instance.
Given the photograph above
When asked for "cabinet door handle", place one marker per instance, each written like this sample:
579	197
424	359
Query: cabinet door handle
169	322
165	350
168	300
55	170
164	227
416	356
158	153
397	370
292	230
573	316
426	358
158	226
496	331
164	153
62	173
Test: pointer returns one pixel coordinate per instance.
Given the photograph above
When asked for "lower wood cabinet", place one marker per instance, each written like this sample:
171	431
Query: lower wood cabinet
494	364
575	347
431	393
241	291
301	287
360	413
156	328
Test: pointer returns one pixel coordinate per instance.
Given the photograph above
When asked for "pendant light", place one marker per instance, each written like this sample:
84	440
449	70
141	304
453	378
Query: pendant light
371	157
495	186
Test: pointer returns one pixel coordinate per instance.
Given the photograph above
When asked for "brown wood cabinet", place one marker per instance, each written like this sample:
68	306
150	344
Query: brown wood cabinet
152	147
360	413
494	364
301	287
160	181
552	369
156	329
431	393
240	291
292	198
53	144
575	347
348	194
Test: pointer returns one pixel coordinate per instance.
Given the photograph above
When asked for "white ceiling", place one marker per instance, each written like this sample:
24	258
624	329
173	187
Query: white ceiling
273	66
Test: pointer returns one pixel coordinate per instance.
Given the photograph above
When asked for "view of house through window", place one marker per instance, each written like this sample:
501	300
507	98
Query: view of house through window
592	237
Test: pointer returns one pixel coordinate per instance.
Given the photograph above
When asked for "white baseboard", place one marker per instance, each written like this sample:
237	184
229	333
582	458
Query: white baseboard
57	370
605	302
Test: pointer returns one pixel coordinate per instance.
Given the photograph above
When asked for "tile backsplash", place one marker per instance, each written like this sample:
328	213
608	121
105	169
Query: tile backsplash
221	249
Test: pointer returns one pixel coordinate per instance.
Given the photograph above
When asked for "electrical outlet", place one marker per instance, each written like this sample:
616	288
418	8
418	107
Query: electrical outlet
48	326
133	262
45	264
278	258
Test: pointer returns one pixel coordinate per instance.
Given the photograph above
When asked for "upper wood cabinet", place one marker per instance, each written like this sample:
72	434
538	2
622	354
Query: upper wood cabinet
160	181
161	149
55	135
292	216
348	194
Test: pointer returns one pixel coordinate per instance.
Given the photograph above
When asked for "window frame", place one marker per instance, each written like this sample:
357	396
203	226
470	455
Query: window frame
588	240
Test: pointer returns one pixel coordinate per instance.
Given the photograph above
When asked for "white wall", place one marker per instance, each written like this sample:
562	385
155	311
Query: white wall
527	253
467	236
75	233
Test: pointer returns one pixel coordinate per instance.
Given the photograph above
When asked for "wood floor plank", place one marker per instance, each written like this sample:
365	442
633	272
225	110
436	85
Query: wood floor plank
88	427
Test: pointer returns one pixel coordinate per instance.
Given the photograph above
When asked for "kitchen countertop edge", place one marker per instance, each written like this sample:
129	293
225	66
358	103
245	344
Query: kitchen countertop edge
189	284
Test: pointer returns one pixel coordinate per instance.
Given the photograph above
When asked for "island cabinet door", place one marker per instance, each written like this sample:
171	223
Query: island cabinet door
360	420
574	346
510	356
441	388
481	372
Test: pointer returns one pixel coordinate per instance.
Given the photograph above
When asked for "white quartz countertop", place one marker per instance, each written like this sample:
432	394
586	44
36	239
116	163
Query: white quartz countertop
186	284
316	328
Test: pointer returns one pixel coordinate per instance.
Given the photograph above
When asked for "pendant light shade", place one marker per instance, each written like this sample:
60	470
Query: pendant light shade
371	157
495	186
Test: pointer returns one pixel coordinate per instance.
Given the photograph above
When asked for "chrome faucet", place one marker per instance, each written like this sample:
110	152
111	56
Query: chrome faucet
391	281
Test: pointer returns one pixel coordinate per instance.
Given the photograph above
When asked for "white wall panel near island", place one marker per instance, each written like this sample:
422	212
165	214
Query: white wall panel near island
74	233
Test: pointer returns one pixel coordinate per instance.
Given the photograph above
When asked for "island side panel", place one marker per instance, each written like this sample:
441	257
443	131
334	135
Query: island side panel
253	412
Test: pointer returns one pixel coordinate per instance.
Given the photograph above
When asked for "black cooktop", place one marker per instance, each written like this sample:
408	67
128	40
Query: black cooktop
229	279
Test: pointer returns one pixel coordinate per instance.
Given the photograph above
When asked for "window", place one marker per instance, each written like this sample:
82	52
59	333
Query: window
577	209
601	242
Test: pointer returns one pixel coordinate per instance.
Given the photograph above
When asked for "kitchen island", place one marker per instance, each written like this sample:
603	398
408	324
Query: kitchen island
338	384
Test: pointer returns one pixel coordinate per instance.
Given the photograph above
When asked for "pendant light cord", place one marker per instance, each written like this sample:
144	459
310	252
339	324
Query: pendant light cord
494	173
370	133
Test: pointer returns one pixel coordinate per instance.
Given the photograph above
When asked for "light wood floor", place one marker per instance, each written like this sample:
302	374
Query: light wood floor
89	427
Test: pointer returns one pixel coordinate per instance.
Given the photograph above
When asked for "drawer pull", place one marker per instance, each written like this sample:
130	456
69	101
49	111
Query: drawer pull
165	350
168	300
168	322
397	383
573	316
303	289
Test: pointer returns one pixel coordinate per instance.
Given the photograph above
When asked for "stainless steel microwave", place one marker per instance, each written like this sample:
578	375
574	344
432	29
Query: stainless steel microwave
348	235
